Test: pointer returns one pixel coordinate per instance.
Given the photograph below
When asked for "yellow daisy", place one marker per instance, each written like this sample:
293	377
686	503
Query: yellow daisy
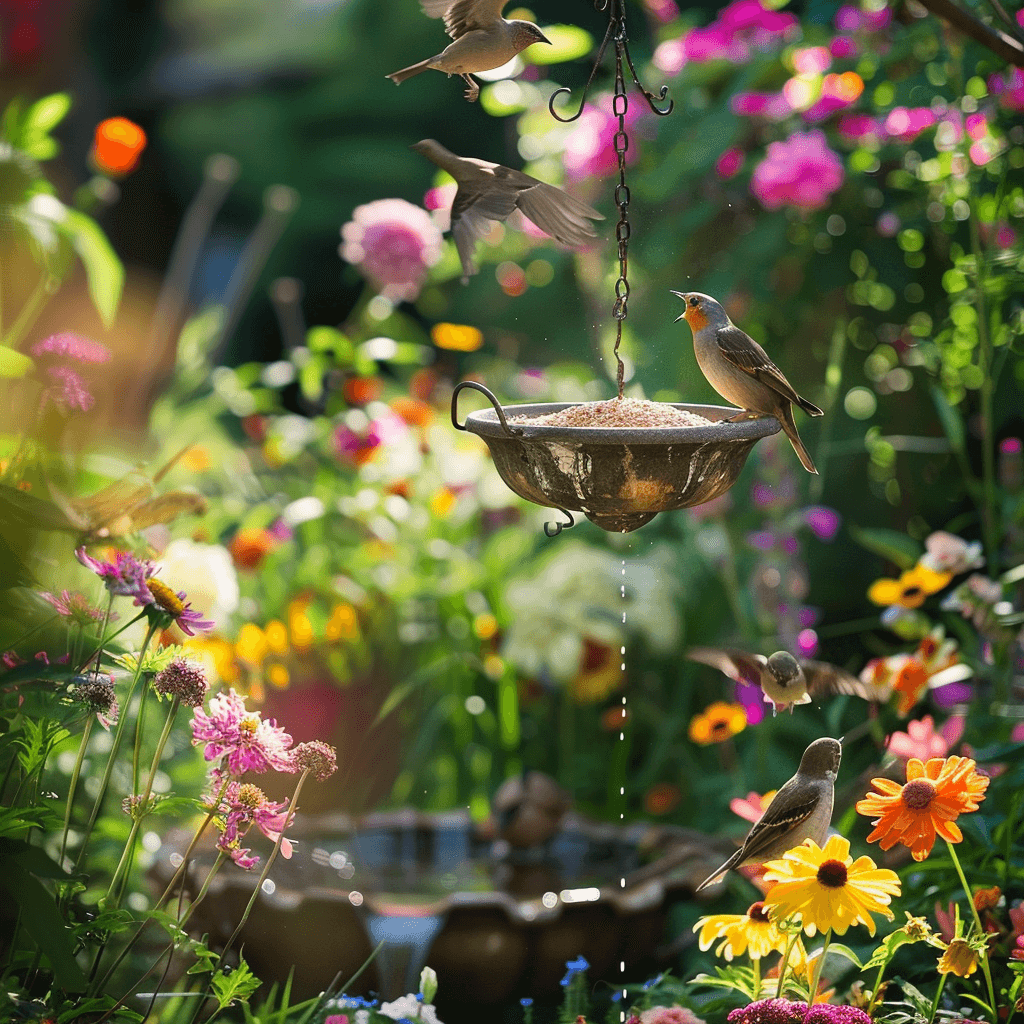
718	722
828	888
752	933
911	589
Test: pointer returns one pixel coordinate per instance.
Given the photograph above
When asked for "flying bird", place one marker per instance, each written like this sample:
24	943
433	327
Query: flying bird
491	192
785	680
801	810
482	40
740	370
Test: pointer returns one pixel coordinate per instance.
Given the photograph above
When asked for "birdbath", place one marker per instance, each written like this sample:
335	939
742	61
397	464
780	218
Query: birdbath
619	477
494	923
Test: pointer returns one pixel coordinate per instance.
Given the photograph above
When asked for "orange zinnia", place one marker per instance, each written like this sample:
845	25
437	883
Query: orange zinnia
117	146
935	794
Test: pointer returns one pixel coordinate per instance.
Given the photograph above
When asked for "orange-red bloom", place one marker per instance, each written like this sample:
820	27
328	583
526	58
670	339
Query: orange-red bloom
935	794
117	146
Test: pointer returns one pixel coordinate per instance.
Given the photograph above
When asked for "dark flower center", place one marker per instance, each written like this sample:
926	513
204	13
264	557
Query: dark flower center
832	874
756	912
912	592
917	795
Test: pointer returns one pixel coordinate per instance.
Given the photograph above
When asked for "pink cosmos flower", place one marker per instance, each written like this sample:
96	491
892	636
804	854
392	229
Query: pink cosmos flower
67	390
74	346
126	576
394	244
923	741
358	448
240	738
801	172
588	146
74	606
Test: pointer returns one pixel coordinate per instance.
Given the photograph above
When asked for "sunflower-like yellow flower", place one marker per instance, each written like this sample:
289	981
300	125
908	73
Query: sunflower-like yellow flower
753	933
828	888
717	722
911	589
959	958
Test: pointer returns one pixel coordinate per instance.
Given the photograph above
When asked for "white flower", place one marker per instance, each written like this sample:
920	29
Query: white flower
946	552
207	575
410	1008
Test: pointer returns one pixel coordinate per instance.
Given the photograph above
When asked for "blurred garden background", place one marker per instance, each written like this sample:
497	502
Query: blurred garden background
231	320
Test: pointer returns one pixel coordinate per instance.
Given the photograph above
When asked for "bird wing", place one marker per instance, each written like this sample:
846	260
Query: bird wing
824	679
462	16
737	665
744	353
770	827
555	212
472	211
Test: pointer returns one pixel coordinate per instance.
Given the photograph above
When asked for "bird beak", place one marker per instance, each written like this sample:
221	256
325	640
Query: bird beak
682	316
543	38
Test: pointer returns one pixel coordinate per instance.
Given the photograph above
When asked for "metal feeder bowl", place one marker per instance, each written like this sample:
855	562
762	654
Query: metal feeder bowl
619	478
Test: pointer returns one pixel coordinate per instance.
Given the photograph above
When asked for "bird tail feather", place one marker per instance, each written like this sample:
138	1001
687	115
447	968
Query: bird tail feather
789	428
413	69
721	872
809	407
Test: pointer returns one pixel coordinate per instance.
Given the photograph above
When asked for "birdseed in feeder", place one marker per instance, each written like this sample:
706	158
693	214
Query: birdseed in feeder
632	413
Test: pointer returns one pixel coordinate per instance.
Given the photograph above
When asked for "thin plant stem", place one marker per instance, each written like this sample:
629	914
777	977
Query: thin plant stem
73	784
983	956
785	963
877	990
756	966
833	383
41	294
813	990
98	652
114	750
938	996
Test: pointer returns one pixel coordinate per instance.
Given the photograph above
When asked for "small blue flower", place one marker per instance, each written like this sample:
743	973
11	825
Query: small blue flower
526	1001
419	997
651	982
574	967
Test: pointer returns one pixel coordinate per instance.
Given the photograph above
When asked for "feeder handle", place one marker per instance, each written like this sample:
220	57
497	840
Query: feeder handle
510	431
554	529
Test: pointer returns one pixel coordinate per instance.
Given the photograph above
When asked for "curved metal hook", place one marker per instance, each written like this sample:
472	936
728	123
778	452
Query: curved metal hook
649	96
511	431
554	529
613	23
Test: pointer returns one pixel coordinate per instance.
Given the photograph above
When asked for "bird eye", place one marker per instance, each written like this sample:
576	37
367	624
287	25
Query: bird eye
694	301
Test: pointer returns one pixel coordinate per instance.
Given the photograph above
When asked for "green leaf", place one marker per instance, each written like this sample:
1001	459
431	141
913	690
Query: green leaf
103	270
897	547
952	424
45	924
14	364
887	950
236	986
44	115
838	947
311	378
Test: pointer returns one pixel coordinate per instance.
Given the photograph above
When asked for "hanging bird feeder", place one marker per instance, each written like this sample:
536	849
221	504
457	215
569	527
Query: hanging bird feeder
619	477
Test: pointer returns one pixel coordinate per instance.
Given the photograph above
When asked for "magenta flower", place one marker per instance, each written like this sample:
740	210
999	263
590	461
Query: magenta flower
843	48
752	699
785	1011
240	738
823	521
242	806
772	105
858	128
801	172
715	42
74	346
394	244
904	124
848	18
1010	89
67	390
728	165
126	576
588	149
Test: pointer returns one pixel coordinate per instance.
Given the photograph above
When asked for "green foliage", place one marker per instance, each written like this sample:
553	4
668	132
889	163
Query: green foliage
236	986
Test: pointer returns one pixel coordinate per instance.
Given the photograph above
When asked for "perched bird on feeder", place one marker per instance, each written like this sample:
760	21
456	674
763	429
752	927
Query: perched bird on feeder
482	40
740	370
529	808
785	680
801	810
491	192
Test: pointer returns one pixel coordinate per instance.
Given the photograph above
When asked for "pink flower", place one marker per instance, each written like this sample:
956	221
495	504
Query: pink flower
74	606
811	60
729	163
848	18
74	346
394	244
67	389
751	807
843	47
807	643
663	10
715	42
244	805
946	552
670	56
801	172
126	576
772	105
905	123
248	743
823	521
588	146
336	1018
875	21
165	606
669	1015
920	741
1009	89
858	127
888	224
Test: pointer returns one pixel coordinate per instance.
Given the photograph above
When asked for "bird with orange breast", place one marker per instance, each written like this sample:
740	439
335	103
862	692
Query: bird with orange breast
740	370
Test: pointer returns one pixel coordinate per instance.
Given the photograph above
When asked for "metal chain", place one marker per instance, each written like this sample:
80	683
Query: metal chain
620	104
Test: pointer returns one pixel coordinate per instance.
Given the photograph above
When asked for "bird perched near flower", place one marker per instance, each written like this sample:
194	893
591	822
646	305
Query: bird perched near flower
740	370
785	680
801	810
482	40
491	192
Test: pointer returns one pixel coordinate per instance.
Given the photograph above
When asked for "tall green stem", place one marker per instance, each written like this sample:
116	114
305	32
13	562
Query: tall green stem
32	308
73	784
813	993
938	996
779	991
983	956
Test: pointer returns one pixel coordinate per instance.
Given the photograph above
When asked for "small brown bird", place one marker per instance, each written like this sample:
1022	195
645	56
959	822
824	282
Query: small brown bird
482	40
491	192
529	809
784	680
801	810
740	370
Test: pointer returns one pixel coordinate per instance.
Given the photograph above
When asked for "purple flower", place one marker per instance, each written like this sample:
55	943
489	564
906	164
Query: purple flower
67	389
752	699
843	47
126	576
242	738
801	172
807	643
183	680
393	243
785	1011
823	521
574	967
74	346
848	18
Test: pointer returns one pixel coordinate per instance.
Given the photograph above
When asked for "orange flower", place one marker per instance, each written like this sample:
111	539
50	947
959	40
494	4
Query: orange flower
117	146
600	673
250	546
360	390
934	795
661	798
717	723
457	337
413	411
